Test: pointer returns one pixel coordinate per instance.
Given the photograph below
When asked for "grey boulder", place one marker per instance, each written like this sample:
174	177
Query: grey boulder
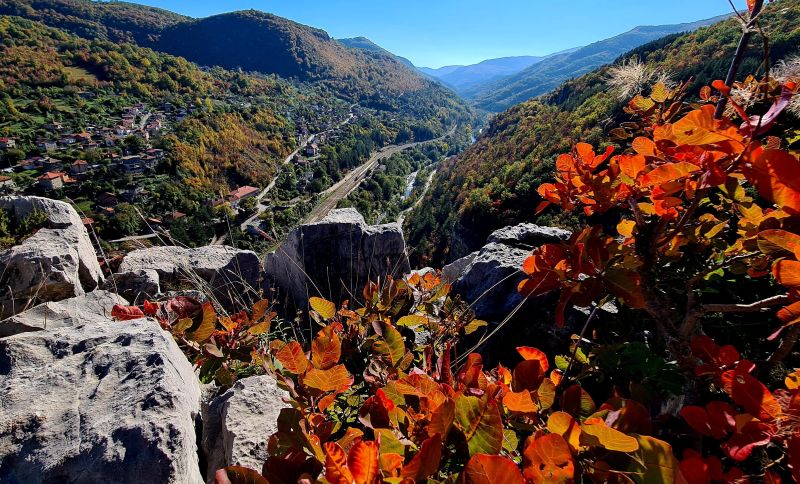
136	285
112	402
57	262
336	258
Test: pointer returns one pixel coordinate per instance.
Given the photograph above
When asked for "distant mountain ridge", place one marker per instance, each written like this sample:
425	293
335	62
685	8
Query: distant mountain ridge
461	78
364	43
546	75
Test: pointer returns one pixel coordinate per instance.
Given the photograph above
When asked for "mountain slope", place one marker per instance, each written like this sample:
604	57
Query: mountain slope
115	21
364	43
493	183
549	73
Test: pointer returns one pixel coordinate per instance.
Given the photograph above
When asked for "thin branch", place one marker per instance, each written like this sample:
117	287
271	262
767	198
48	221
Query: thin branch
755	307
741	49
585	328
787	345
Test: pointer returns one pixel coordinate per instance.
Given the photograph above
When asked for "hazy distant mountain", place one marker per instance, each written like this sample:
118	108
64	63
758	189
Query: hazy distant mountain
547	74
462	78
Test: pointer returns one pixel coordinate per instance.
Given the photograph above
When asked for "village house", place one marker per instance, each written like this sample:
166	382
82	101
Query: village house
83	138
79	167
127	121
156	153
7	143
132	164
241	193
54	126
6	183
67	140
46	145
51	164
311	150
52	180
107	199
173	217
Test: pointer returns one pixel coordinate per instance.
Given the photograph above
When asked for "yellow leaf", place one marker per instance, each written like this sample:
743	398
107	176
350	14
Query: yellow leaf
793	380
323	307
412	321
660	93
595	433
625	228
204	331
474	325
260	328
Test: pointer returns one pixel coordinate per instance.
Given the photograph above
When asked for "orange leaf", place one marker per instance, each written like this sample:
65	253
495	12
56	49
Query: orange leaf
426	463
520	402
777	242
643	146
336	470
790	314
491	469
326	348
669	172
239	475
332	379
292	358
563	424
548	459
700	128
787	273
363	462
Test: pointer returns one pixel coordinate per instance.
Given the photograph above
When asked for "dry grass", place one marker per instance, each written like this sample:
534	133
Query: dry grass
633	76
788	70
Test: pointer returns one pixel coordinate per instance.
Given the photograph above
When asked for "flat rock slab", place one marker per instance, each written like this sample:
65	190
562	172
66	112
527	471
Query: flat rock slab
113	402
92	308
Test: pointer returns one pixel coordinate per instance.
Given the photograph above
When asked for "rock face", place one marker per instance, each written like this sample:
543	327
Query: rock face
238	423
135	286
113	402
336	258
232	275
92	308
491	275
57	262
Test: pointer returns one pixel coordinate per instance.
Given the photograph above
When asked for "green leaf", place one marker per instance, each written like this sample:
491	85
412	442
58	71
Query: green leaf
562	363
481	423
391	344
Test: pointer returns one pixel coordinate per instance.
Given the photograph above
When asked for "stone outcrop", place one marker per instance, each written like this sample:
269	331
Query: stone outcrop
238	423
57	262
233	276
336	258
491	275
92	308
112	402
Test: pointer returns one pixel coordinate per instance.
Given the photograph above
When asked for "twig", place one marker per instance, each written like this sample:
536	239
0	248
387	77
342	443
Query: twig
746	308
739	55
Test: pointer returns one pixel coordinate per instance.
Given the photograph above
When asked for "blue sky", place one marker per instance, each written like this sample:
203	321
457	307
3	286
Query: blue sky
433	33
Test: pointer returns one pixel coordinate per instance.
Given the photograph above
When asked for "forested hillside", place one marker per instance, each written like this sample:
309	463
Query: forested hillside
493	184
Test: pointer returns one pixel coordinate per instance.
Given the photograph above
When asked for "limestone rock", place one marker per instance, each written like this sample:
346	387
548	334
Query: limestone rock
92	308
238	423
55	263
336	258
232	275
491	275
113	402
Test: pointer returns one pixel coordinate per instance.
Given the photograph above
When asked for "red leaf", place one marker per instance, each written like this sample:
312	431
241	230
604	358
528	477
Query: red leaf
150	308
238	475
184	307
426	463
326	348
491	469
669	172
741	445
751	394
126	313
776	175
